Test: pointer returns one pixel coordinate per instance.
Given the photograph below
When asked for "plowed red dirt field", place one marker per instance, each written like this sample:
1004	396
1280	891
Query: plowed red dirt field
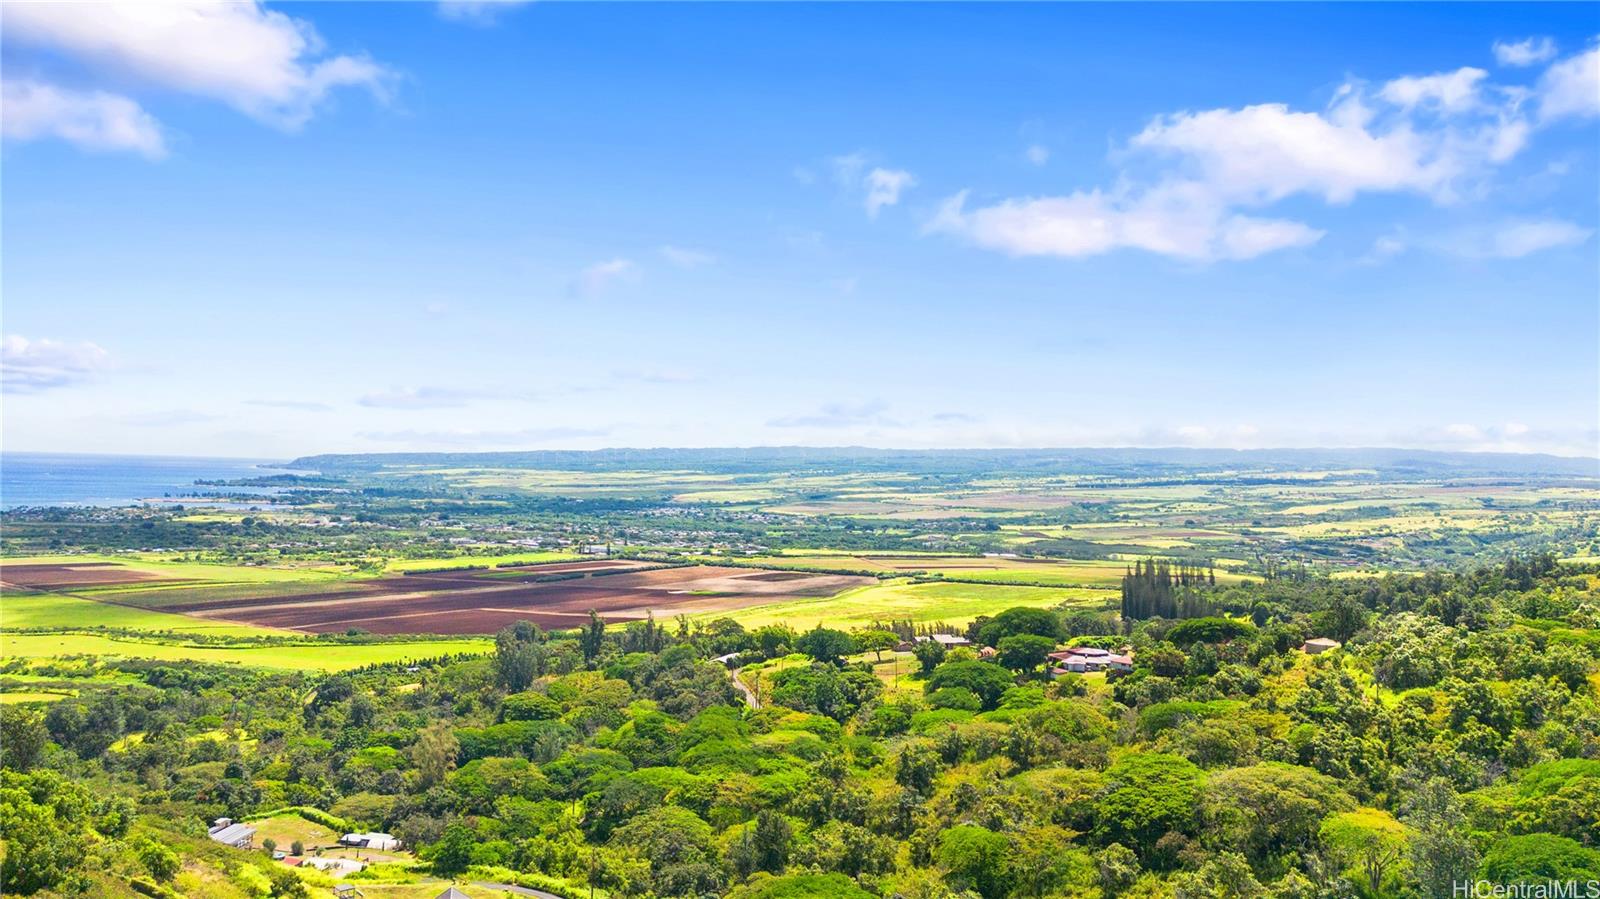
552	596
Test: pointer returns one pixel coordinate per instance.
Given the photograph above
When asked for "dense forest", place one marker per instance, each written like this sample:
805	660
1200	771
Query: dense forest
1455	735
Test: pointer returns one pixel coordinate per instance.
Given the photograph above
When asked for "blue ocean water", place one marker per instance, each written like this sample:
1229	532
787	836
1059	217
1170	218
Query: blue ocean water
63	479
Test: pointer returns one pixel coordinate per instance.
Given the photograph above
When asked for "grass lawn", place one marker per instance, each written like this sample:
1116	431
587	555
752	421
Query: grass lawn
955	603
297	657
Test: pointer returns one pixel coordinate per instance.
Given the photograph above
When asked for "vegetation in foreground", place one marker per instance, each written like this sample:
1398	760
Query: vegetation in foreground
1456	734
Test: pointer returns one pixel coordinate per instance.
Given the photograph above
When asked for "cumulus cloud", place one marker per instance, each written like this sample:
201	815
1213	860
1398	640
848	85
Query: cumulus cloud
1450	91
264	63
91	120
1191	181
684	257
595	279
33	366
477	12
1526	52
1571	87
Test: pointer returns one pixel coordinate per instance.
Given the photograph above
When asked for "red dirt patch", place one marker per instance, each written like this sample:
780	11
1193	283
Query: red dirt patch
73	575
453	605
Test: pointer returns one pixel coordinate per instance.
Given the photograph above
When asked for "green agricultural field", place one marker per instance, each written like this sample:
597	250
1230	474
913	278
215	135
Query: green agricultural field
291	657
55	610
947	602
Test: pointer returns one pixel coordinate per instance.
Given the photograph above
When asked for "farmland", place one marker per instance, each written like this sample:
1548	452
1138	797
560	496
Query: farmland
448	546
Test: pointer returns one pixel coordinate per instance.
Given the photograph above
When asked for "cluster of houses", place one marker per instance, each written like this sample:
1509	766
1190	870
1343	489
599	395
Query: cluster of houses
1084	659
242	836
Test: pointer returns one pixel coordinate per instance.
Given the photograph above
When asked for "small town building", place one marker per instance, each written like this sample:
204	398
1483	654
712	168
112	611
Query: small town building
1084	659
229	833
381	842
727	659
1318	645
948	641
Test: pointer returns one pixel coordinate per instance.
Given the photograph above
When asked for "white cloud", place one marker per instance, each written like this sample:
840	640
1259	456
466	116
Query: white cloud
432	397
684	257
1526	52
1518	239
1177	221
31	366
262	62
1451	91
878	186
1038	154
91	120
839	415
884	187
596	278
1190	179
1571	87
477	12
525	437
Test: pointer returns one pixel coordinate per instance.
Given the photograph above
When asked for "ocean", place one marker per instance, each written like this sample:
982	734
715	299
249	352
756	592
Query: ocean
71	479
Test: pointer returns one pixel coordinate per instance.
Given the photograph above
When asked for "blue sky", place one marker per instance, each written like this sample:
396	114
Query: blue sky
267	231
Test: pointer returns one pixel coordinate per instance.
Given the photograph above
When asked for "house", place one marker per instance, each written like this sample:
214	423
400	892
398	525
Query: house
1084	659
1317	645
987	653
595	549
226	832
948	641
369	841
727	659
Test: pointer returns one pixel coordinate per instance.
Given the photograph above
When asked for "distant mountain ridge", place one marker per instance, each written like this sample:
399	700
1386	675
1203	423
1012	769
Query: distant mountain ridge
1143	462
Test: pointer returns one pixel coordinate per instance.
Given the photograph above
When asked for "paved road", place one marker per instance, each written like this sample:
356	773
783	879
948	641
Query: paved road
739	684
514	889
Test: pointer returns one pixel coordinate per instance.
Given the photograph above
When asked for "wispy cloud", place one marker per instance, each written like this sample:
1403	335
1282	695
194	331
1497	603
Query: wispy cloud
300	405
434	397
163	418
1512	239
877	186
527	437
684	257
477	12
655	375
1526	52
35	365
838	415
1038	154
884	187
595	279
